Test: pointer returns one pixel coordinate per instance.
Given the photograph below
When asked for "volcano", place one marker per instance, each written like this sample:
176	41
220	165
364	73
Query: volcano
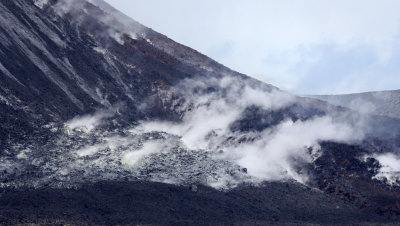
105	121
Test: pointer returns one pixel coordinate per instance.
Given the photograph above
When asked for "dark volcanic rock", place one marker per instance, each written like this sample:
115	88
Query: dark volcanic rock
123	203
340	172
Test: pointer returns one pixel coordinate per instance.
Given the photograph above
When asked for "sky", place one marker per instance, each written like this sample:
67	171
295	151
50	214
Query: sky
306	47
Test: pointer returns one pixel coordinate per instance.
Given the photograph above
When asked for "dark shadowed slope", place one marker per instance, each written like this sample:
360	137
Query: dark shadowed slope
161	204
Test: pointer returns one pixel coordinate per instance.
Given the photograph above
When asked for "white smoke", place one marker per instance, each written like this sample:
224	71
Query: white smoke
90	150
65	6
271	154
117	23
390	168
41	3
88	122
203	147
213	113
363	106
131	158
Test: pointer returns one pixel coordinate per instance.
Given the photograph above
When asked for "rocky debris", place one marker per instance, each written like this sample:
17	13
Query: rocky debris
193	188
341	172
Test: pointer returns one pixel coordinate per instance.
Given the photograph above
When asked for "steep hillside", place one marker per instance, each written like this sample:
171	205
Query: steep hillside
100	115
384	103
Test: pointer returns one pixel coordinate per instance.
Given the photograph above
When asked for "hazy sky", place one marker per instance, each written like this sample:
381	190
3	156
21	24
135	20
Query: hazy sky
307	47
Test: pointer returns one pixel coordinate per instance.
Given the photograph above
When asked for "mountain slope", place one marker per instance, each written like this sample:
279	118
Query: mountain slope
92	101
384	103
